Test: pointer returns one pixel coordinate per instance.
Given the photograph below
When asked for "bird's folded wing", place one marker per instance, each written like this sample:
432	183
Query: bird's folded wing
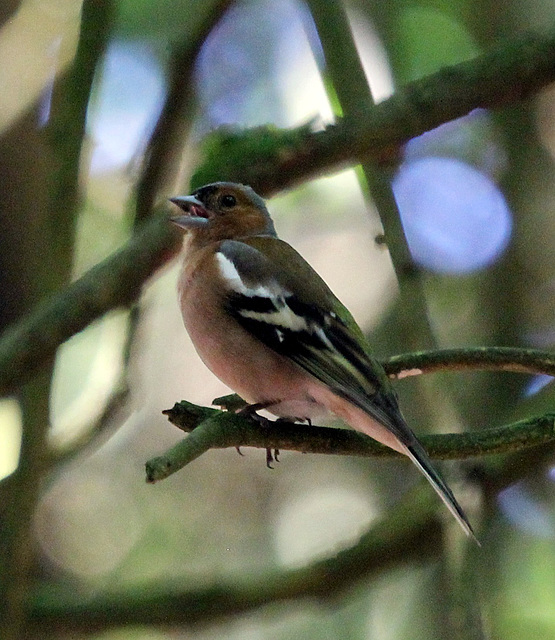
307	324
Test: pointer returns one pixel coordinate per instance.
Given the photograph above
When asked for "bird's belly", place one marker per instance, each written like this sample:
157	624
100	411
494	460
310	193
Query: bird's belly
248	367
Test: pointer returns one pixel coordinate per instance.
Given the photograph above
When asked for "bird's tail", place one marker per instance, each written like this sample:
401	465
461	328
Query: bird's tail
416	452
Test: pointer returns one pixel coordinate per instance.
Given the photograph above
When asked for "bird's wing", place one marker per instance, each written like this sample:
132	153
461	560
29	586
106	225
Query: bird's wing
276	296
273	293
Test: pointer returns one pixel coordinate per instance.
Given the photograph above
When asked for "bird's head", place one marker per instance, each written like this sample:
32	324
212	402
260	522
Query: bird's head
223	210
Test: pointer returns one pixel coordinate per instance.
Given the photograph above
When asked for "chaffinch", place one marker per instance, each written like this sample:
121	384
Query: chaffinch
266	324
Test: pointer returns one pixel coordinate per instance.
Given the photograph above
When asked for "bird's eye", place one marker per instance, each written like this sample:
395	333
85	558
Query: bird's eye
228	201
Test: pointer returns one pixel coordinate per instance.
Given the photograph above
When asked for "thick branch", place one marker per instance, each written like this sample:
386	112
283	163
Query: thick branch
115	282
506	74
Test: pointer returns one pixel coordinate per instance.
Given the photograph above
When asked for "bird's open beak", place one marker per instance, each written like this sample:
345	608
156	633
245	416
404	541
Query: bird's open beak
196	214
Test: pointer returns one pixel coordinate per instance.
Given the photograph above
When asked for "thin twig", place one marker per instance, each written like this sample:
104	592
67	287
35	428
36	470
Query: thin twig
533	361
111	415
355	98
161	155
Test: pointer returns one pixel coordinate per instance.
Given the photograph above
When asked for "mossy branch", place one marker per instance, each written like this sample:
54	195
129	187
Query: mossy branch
271	160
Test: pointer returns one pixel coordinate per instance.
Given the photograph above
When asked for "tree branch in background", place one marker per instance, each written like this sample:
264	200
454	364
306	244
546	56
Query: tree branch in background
408	532
115	411
166	142
64	132
505	75
533	361
354	96
160	161
115	282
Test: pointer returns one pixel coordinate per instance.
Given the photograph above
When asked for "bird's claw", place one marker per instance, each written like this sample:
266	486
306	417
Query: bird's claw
271	458
250	411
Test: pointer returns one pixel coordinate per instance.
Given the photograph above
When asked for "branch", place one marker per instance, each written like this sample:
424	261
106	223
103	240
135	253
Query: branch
64	134
162	152
353	98
505	75
533	361
115	411
407	532
211	428
220	429
115	282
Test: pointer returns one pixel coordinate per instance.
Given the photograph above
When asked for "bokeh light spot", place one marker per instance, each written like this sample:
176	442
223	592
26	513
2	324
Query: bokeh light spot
87	525
121	115
536	384
525	511
10	435
320	522
455	218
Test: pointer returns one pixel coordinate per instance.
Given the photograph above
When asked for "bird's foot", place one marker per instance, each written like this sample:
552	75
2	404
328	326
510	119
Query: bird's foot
271	457
250	411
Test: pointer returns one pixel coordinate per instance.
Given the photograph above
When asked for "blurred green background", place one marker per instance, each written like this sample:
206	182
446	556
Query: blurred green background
476	198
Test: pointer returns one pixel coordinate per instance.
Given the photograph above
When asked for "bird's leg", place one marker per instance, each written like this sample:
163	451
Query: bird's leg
270	458
250	411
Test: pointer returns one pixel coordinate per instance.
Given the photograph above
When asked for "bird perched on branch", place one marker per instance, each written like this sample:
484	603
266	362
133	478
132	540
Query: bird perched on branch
266	324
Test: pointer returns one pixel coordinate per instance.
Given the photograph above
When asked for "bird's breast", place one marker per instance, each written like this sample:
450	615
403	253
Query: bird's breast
237	358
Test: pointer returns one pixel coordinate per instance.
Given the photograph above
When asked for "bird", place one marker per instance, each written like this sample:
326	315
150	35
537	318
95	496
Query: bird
269	327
